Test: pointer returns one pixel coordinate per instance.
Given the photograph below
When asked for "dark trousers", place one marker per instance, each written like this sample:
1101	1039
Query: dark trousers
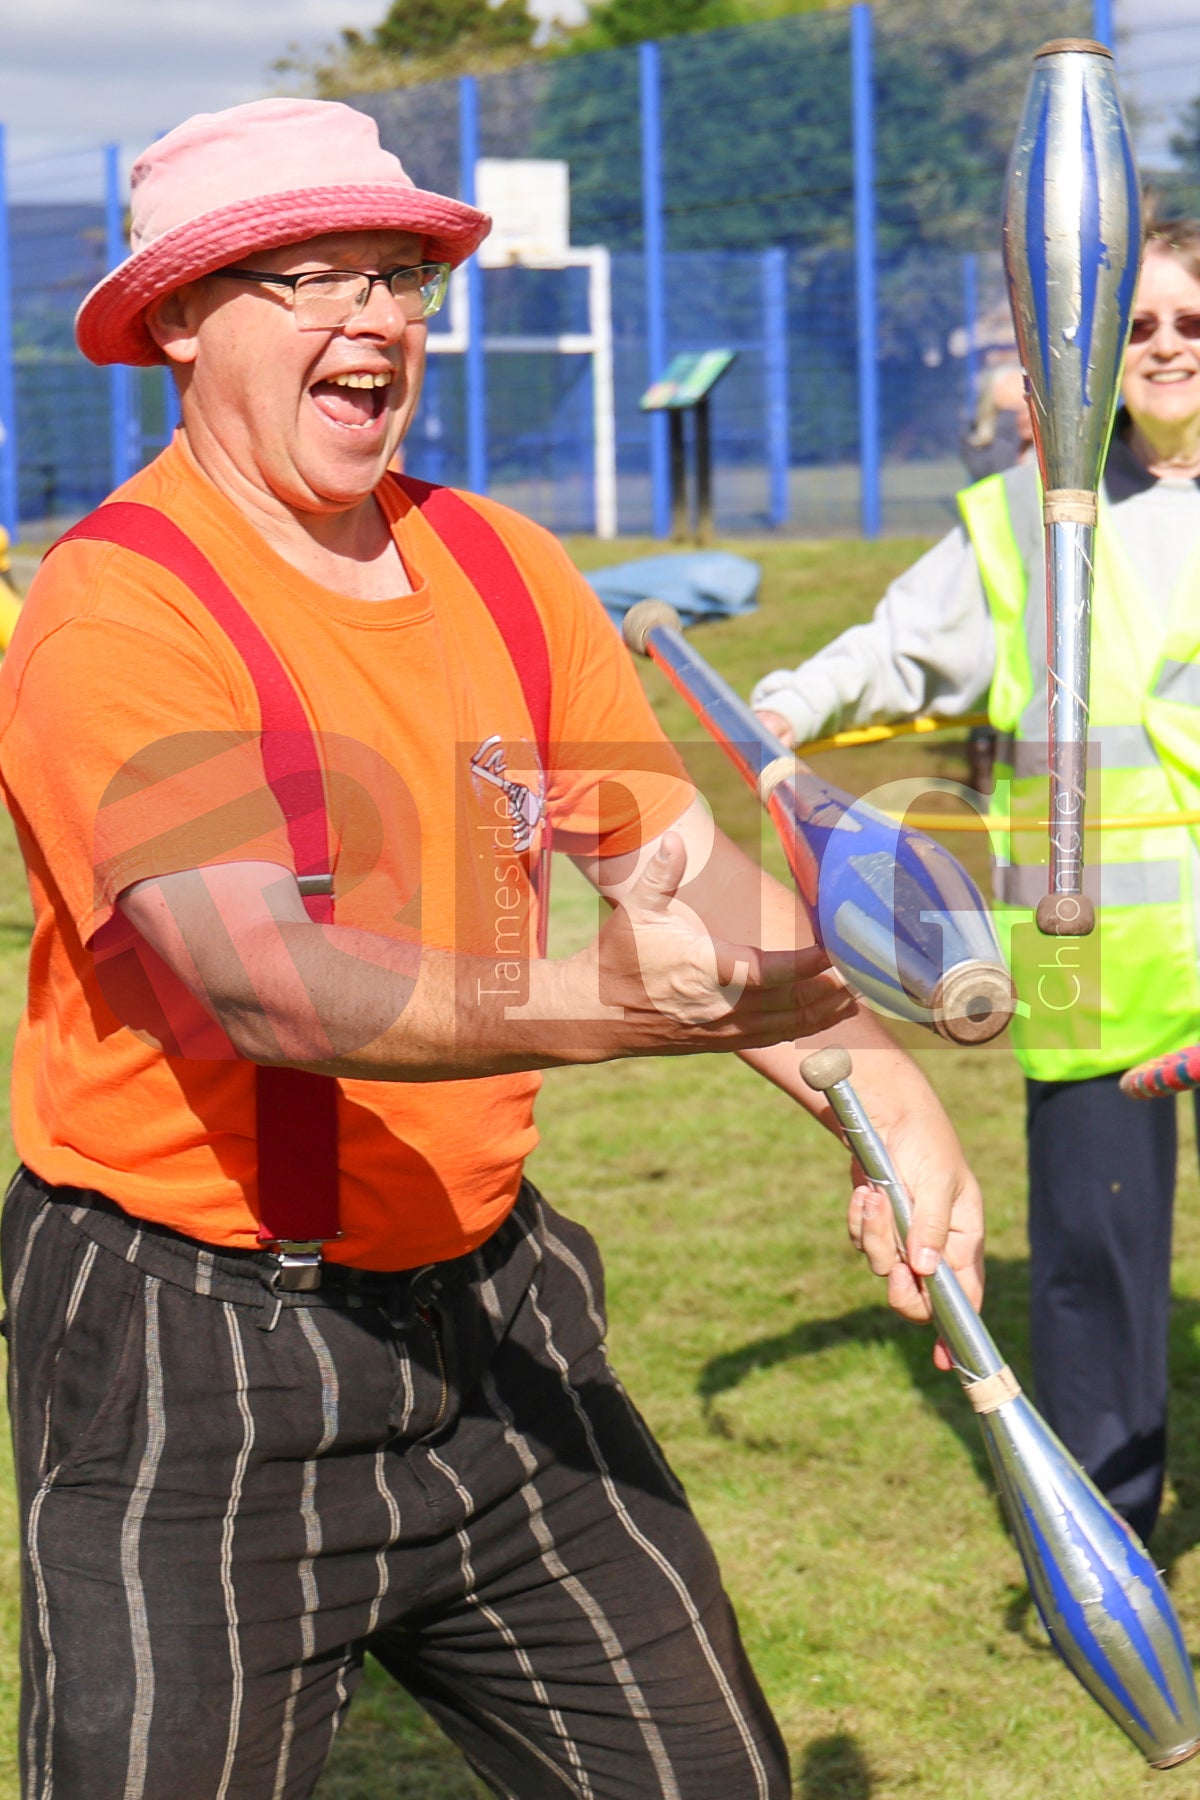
228	1495
1101	1194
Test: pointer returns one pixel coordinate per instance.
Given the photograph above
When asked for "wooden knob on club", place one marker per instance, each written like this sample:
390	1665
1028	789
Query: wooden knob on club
1073	46
973	1003
642	618
825	1068
1065	915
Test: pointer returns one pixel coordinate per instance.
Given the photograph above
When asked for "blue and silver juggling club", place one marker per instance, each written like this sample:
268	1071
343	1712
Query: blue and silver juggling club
900	918
1072	242
1100	1596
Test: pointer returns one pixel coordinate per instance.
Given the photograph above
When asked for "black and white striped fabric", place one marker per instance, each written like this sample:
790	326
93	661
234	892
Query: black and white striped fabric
229	1494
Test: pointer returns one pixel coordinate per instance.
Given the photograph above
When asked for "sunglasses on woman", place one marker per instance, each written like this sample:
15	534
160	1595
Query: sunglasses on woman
1146	324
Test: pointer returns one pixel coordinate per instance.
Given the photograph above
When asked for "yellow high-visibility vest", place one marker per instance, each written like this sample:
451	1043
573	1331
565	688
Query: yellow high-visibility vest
10	606
1132	990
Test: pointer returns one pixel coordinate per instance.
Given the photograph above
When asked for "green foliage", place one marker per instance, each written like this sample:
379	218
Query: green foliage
611	23
426	28
419	41
1185	143
757	125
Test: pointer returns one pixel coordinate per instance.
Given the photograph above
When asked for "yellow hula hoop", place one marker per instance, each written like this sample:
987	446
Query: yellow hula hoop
925	723
880	734
976	822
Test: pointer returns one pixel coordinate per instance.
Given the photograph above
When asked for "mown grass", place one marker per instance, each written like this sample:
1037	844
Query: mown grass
840	1476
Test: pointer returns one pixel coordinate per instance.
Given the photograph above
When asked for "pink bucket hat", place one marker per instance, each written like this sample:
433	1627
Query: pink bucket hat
252	178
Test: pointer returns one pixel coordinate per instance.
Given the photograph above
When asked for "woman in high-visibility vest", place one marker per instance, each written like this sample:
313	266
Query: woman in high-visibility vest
968	620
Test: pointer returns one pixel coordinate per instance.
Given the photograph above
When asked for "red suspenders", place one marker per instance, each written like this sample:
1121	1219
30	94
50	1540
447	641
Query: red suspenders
296	1110
484	559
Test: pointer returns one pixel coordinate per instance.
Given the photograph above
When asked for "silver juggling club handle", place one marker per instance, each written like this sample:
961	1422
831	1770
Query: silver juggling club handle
967	1338
1072	239
1099	1595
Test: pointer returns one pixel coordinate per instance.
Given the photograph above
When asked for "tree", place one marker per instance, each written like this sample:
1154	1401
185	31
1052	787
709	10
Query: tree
432	28
420	41
1185	144
756	119
756	129
610	24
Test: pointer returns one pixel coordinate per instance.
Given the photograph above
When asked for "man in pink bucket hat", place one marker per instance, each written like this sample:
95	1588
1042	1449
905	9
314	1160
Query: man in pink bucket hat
302	1365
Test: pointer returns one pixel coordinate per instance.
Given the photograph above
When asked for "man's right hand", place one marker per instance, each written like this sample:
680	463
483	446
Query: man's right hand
669	986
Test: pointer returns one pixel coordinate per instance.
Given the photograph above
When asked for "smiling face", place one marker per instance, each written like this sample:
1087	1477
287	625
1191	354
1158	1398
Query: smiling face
1161	384
309	419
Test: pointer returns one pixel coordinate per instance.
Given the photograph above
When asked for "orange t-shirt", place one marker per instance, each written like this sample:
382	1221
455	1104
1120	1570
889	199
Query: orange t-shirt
129	748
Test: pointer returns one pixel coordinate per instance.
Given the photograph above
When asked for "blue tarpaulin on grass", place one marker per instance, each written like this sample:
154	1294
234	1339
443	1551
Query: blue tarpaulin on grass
699	584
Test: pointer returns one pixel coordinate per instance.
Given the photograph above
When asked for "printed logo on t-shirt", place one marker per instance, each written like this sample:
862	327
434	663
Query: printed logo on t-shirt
526	804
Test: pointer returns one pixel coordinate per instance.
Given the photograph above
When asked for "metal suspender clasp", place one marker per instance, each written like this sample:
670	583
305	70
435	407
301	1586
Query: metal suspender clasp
298	1265
314	884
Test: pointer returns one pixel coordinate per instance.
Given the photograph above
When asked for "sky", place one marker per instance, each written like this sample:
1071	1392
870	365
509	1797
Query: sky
88	72
1160	63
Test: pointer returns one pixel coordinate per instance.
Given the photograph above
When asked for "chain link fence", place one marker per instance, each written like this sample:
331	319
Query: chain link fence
819	193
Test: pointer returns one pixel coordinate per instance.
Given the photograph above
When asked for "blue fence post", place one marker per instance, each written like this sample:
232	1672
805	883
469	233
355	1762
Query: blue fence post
475	371
124	459
171	413
775	370
970	302
1102	22
862	102
8	387
653	238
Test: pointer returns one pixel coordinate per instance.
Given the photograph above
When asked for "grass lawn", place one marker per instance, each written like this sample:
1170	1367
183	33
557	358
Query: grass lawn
840	1476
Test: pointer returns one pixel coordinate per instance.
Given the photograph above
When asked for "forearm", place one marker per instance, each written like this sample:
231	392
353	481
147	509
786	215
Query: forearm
355	1004
344	1001
369	1018
352	1003
887	1079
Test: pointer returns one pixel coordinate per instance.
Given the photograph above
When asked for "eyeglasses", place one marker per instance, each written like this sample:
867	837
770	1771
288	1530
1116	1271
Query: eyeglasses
327	298
1145	325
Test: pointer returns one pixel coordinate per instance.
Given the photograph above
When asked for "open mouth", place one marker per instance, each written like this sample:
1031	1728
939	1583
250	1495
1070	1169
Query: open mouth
354	399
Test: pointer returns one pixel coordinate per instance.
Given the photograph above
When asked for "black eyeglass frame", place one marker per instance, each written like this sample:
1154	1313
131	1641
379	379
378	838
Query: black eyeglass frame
439	280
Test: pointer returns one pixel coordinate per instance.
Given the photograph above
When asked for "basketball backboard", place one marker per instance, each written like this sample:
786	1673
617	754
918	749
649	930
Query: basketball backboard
530	202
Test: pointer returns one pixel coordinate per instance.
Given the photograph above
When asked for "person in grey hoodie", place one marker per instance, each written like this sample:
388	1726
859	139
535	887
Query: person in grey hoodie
968	621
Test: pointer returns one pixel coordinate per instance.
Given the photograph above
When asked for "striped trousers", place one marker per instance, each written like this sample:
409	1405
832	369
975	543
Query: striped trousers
228	1495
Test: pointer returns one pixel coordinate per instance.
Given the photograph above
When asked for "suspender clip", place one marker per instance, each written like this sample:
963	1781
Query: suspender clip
297	1265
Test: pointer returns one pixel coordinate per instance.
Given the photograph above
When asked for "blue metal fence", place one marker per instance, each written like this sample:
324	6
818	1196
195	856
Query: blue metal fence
8	403
819	192
862	104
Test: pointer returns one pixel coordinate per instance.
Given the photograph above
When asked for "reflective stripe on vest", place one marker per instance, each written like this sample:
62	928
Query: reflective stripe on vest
1178	681
1115	884
1120	746
1145	989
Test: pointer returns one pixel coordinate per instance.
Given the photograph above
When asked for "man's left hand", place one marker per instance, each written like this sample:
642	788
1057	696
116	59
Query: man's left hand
947	1216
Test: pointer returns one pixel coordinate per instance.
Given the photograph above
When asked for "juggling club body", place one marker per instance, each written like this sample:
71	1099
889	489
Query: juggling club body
1072	236
1175	1073
1099	1595
900	918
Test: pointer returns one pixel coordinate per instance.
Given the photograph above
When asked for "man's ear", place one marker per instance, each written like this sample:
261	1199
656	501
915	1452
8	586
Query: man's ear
173	322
